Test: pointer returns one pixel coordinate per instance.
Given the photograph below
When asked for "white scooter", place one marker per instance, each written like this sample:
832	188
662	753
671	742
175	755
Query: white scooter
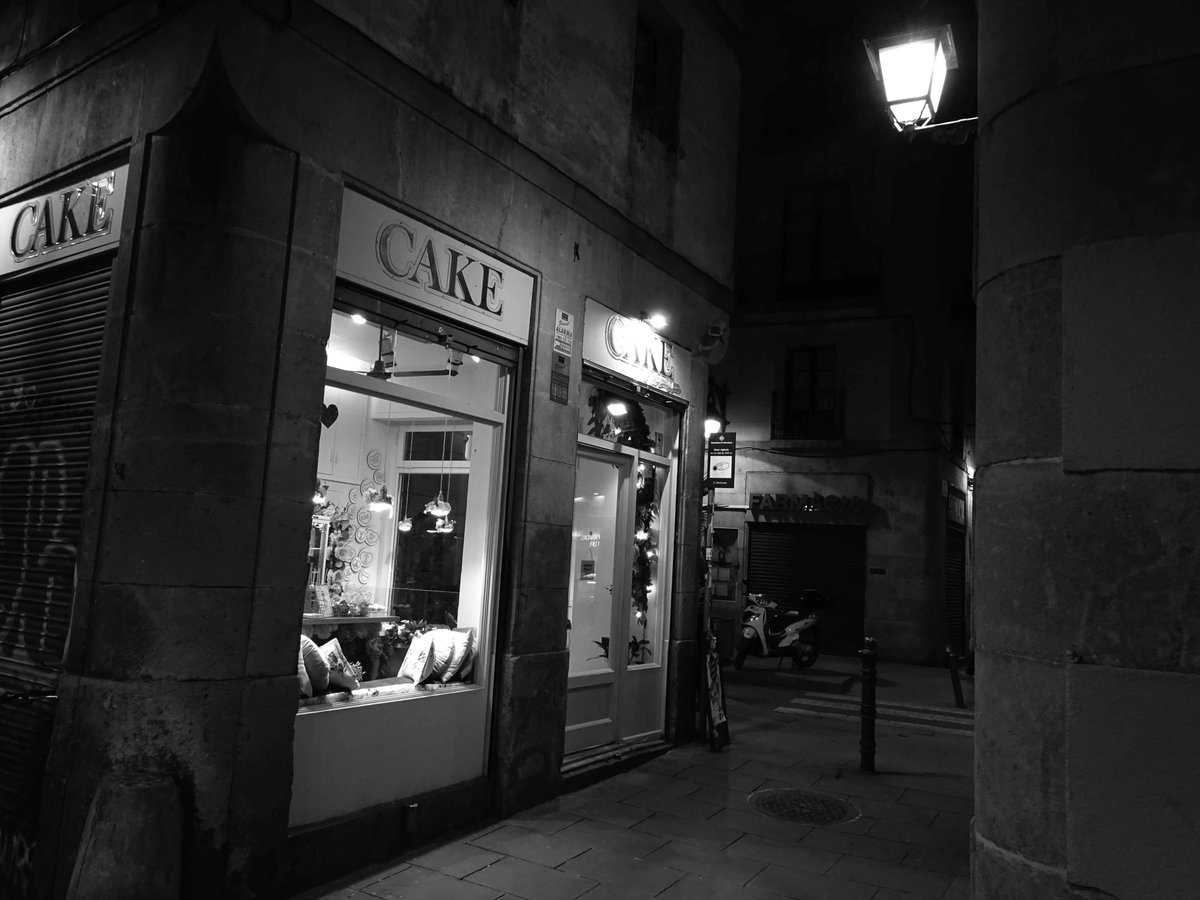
769	629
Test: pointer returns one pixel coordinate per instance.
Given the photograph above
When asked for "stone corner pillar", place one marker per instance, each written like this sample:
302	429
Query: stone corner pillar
1089	454
183	657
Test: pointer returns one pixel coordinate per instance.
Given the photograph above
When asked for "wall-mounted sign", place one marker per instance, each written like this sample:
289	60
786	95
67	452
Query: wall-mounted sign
631	348
806	503
399	254
83	218
722	450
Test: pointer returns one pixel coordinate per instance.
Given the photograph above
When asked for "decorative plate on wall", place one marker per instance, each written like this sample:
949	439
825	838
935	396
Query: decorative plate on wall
366	556
372	537
355	564
378	477
360	534
345	552
366	485
375	459
354	496
364	577
364	516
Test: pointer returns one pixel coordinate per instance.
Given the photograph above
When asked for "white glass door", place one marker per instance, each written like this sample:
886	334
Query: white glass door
599	579
619	596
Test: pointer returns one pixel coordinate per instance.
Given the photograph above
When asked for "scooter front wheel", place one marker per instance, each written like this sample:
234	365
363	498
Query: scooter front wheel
804	654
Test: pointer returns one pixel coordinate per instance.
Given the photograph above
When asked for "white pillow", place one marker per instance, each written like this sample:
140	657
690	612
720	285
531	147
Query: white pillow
341	675
302	674
462	650
418	662
313	671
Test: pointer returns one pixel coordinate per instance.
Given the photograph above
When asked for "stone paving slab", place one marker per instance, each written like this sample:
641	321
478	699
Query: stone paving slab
680	827
531	881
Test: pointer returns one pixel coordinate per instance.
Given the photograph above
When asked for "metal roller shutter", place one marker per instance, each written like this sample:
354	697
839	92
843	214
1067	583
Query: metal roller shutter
785	558
51	336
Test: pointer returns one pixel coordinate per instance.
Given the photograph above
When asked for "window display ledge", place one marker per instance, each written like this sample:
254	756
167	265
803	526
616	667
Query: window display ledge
375	692
313	619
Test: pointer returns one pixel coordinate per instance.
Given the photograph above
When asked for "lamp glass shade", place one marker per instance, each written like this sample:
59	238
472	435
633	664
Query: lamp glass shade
939	80
712	425
913	71
907	69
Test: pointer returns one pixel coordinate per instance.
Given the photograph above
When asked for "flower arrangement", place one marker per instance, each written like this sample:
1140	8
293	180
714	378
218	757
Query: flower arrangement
342	666
400	634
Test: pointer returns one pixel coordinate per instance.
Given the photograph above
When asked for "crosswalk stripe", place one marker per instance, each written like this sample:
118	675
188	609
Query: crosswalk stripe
843	699
932	714
963	729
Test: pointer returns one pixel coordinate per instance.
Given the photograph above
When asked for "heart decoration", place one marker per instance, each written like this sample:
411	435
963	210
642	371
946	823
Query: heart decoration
329	415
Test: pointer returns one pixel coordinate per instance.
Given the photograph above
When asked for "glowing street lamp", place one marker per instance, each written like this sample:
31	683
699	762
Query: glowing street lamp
912	68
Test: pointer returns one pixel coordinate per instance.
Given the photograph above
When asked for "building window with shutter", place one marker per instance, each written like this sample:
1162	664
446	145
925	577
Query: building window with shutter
810	406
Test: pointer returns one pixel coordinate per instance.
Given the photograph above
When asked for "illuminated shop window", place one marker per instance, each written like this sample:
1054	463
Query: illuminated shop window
403	552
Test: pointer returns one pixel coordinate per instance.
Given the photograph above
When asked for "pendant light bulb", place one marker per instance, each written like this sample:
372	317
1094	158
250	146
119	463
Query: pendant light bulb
438	506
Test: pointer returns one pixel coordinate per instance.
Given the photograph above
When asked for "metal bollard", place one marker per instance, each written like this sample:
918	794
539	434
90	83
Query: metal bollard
867	712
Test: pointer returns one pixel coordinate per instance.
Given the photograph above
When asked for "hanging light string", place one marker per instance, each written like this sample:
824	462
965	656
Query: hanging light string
439	507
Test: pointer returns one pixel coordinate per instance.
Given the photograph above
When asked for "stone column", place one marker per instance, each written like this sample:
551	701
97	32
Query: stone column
182	664
1088	627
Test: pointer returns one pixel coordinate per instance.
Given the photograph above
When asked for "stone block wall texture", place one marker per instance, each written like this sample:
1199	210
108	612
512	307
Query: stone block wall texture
557	75
1086	523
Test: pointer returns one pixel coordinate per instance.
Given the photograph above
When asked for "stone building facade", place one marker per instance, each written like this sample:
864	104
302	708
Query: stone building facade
402	253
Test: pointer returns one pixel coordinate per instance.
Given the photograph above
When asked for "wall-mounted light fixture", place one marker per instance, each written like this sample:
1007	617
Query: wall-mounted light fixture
714	416
713	425
912	68
657	321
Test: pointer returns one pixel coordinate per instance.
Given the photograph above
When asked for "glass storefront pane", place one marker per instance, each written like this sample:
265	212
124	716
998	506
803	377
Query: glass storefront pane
421	362
429	553
617	416
593	555
646	609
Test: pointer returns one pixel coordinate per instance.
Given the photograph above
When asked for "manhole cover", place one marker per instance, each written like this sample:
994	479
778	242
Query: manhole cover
802	806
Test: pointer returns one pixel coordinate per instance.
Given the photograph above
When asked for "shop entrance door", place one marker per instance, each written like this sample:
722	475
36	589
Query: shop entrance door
616	607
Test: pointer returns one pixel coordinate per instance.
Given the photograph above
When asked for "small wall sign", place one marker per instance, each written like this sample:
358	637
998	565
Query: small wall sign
722	450
560	361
